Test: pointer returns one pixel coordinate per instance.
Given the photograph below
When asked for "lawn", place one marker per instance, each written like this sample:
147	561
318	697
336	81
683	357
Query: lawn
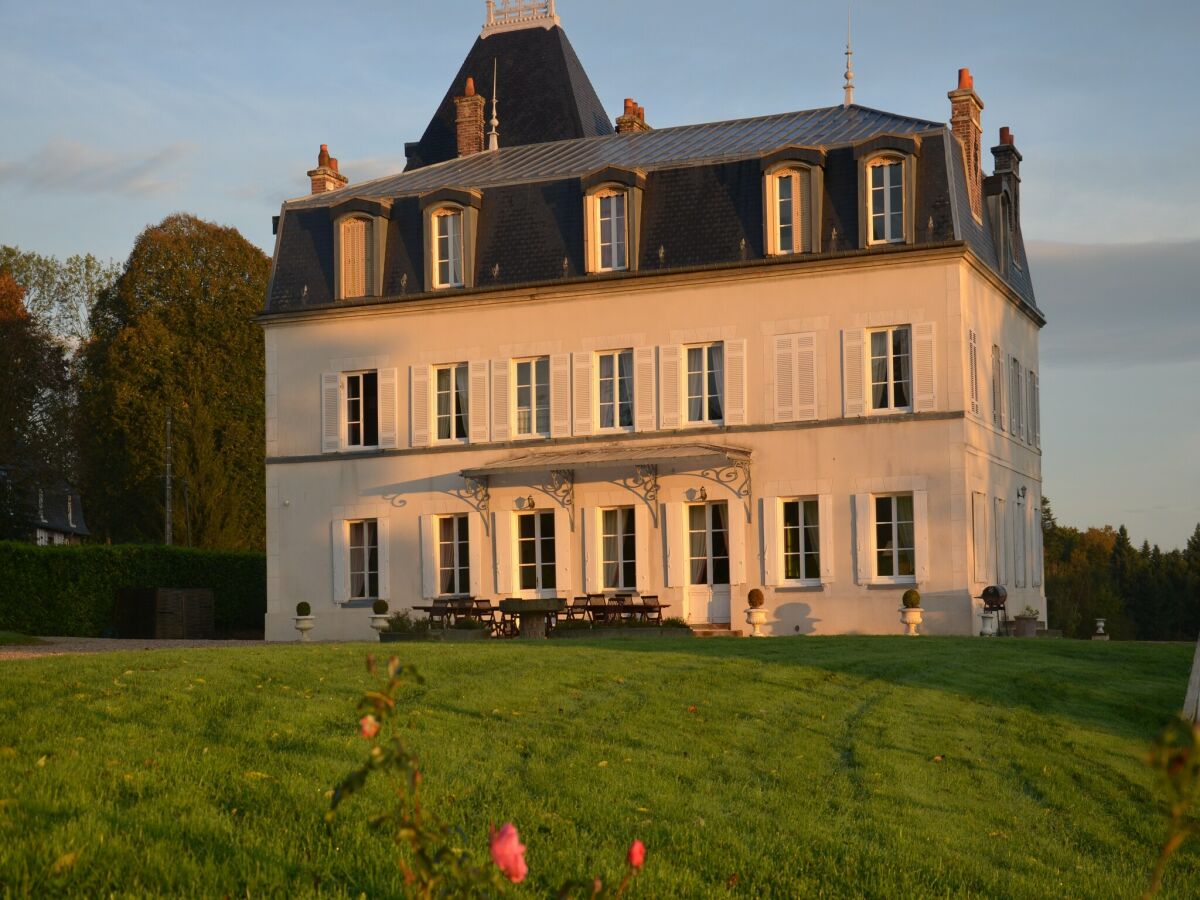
11	638
880	767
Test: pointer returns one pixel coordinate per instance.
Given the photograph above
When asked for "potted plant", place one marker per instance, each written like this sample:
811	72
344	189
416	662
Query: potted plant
379	616
910	611
304	619
756	616
1027	622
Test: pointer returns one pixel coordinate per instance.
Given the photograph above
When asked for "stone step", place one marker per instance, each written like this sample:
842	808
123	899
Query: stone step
714	631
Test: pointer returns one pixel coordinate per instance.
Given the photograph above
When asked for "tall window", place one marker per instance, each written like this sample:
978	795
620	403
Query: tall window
1015	394
451	385
357	257
454	566
708	543
887	201
997	388
895	553
448	225
362	409
891	368
533	396
801	540
620	548
535	551
706	383
612	231
615	370
789	213
364	559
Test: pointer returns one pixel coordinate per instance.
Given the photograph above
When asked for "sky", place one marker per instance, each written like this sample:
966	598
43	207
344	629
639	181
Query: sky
114	115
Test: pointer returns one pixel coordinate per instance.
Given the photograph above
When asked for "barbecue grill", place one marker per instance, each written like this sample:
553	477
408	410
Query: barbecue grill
995	600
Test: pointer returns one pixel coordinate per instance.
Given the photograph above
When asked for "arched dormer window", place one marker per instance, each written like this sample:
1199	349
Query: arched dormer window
357	257
451	217
447	247
789	210
612	206
886	200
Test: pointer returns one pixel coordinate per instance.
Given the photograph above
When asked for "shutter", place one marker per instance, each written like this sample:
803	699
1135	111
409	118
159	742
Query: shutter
353	258
383	536
997	388
802	212
973	367
806	377
785	378
419	405
643	387
501	407
998	525
341	571
671	400
560	395
921	535
924	371
502	551
772	568
477	401
1014	398
737	544
1019	539
677	564
642	526
429	557
735	383
331	412
475	554
853	373
593	577
562	552
1037	545
368	259
582	364
980	535
826	535
387	384
1035	413
862	538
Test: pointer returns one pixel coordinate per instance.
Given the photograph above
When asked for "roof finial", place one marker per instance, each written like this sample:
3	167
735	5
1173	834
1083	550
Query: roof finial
849	85
494	134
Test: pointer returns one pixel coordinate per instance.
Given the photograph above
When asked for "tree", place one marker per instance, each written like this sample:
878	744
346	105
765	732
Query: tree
175	336
60	293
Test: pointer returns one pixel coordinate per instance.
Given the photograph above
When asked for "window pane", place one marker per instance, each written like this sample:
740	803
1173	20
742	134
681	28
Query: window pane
528	578
370	409
525	526
906	568
699	572
720	570
460	401
527	552
716	382
904	508
883	536
812	566
884	563
883	509
696	518
549	577
547	525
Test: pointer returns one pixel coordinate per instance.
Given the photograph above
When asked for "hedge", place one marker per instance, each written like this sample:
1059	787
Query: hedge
72	590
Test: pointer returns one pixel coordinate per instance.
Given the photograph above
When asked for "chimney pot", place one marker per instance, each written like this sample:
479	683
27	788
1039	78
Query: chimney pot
1006	136
630	106
325	177
965	81
333	164
323	155
641	113
470	91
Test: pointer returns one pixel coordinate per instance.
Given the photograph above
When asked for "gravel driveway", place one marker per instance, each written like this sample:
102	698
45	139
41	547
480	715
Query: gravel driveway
59	646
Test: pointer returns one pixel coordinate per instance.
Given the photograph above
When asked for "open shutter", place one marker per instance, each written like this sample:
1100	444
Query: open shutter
593	577
331	412
853	373
1019	543
1035	411
772	564
998	531
429	557
387	408
643	388
862	538
735	382
560	395
368	259
806	377
501	407
670	361
737	545
341	571
802	211
582	364
383	536
924	371
1038	560
785	377
921	535
642	525
562	552
477	403
677	564
502	551
419	405
475	553
973	369
980	535
825	539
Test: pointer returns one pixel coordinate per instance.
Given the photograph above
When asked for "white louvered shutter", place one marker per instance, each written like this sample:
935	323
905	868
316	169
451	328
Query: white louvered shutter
642	525
737	544
862	538
735	382
785	377
387	386
501	407
998	375
590	518
825	541
419	405
1038	560
921	535
354	258
503	551
383	534
802	211
1019	542
562	552
560	395
475	554
853	373
429	557
772	564
973	369
677	563
982	548
331	412
924	369
582	388
1035	425
644	395
806	377
341	571
672	375
477	402
999	524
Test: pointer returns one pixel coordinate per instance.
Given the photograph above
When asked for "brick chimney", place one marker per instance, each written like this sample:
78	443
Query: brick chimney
469	122
634	118
326	177
965	109
1008	168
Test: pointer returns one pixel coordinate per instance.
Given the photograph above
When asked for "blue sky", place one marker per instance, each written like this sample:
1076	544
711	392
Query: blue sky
116	114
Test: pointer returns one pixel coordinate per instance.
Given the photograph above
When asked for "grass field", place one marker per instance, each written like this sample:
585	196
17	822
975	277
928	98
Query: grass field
881	767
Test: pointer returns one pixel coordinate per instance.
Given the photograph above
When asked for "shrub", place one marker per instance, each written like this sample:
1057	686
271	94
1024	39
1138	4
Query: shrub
1030	613
911	599
755	599
303	608
404	623
380	607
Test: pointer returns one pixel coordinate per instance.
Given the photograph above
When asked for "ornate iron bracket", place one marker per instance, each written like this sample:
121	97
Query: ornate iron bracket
644	483
737	478
478	495
560	487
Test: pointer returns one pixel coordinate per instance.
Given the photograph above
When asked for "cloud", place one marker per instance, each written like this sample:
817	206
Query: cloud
71	166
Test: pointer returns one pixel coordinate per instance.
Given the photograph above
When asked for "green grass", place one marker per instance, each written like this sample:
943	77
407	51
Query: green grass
11	637
880	767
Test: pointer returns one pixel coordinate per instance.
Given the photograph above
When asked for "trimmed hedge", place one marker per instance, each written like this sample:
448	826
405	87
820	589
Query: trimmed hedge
72	590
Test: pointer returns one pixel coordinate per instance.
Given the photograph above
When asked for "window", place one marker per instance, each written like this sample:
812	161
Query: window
533	396
615	394
891	368
71	510
708	543
454	558
706	383
788	212
997	388
362	409
1015	415
448	249
535	551
619	555
364	559
611	231
801	540
895	550
358	245
450	382
886	181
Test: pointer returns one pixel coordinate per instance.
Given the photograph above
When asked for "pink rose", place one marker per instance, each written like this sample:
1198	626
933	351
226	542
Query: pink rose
508	853
368	726
637	854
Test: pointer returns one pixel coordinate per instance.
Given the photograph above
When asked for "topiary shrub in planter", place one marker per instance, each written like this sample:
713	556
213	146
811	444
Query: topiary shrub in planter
756	616
910	611
379	607
303	608
304	619
379	616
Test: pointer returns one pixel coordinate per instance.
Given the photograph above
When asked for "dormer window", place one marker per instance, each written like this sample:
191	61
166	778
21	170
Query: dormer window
886	181
448	248
789	211
612	200
357	257
451	217
612	246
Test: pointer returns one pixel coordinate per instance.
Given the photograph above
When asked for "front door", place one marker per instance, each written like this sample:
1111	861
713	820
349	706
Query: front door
708	563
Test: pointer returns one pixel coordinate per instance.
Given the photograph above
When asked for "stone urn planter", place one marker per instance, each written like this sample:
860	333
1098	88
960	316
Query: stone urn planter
1101	634
911	613
1026	623
305	621
379	616
756	616
531	615
987	626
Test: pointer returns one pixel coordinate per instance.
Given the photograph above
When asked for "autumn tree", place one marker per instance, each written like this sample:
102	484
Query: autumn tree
60	294
175	337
